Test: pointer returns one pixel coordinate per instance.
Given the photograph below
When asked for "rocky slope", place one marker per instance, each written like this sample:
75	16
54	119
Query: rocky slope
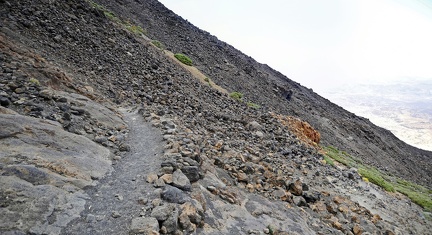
68	70
236	71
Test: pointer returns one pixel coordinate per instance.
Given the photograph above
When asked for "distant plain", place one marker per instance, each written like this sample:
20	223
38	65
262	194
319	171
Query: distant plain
404	107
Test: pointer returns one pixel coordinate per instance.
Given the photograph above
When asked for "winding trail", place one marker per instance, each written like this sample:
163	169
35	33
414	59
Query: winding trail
114	202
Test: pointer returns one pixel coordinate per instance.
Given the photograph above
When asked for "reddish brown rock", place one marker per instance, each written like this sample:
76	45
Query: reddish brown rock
296	188
357	230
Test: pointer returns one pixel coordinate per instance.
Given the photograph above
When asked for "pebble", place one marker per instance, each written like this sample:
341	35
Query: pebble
119	197
156	202
90	218
115	214
117	158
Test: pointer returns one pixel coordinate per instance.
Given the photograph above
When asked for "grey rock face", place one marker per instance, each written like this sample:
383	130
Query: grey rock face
43	169
46	145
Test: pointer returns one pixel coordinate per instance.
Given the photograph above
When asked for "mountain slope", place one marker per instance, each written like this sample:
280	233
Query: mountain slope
236	71
68	68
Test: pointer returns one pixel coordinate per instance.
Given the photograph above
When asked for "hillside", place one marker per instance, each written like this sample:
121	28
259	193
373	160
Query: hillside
102	132
236	71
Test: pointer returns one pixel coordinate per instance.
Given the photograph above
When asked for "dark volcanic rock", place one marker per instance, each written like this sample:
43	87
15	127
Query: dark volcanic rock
191	172
174	195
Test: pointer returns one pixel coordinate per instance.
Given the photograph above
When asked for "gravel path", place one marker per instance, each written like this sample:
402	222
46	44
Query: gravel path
115	200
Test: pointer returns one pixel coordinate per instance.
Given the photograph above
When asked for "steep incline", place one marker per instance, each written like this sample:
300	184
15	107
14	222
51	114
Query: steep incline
226	168
236	71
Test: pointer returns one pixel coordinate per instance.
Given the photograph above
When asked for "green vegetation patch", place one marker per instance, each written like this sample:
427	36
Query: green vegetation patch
108	14
184	59
209	82
136	29
158	44
376	177
328	160
253	105
236	95
418	194
34	81
341	157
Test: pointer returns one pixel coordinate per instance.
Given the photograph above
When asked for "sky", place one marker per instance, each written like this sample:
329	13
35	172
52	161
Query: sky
323	44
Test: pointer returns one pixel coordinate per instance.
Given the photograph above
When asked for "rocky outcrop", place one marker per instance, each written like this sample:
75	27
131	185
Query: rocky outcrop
303	130
43	170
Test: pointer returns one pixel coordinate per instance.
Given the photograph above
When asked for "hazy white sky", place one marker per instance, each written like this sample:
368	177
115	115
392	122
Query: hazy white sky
323	43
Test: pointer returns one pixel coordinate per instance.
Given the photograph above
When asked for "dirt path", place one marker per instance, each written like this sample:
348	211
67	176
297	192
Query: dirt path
115	200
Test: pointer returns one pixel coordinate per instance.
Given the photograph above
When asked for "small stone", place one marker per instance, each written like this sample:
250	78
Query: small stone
119	197
20	90
167	170
355	219
338	199
186	224
296	188
388	232
171	223
156	202
62	100
167	178
115	214
162	213
4	101
124	148
58	38
181	181
159	183
174	195
168	124
47	94
343	209
312	197
259	134
376	218
337	225
278	193
112	138
212	189
144	225
242	177
192	211
100	139
163	230
254	125
299	201
357	230
117	158
142	200
151	178
191	172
